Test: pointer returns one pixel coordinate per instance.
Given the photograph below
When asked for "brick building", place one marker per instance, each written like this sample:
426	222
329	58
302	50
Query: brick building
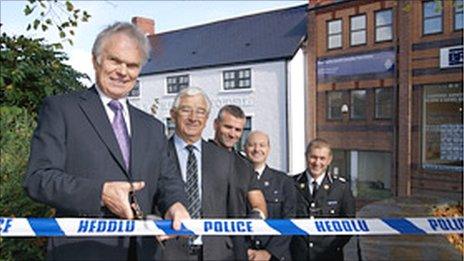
385	88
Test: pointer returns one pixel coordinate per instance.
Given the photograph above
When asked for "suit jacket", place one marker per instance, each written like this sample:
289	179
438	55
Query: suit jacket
333	199
219	200
280	197
74	152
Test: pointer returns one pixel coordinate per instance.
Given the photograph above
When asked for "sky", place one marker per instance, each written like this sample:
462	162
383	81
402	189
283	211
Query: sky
168	15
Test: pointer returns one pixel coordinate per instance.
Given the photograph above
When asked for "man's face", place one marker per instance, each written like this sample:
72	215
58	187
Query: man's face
318	160
257	148
228	130
190	117
118	65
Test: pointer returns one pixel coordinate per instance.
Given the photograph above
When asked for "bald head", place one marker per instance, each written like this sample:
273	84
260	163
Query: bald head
257	148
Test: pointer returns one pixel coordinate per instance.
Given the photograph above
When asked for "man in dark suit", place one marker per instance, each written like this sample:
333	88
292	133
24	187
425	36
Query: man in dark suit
280	199
321	195
208	173
92	151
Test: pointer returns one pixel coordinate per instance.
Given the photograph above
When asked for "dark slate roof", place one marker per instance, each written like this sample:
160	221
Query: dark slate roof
273	35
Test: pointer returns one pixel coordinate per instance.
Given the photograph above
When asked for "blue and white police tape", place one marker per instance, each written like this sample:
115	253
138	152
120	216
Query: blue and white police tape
76	227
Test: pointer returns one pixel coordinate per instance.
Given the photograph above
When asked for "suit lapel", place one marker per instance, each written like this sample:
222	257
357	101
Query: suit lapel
302	187
92	107
138	143
207	177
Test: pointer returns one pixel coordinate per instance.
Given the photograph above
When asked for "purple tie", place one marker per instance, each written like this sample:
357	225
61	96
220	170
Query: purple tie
120	130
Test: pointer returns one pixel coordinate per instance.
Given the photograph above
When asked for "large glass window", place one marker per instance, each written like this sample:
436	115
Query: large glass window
383	25
458	14
432	17
358	104
240	145
442	133
334	34
334	105
357	30
237	79
176	83
383	103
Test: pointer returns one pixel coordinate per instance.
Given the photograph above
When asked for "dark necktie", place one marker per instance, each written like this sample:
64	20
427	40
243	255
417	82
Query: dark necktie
120	130
314	189
193	193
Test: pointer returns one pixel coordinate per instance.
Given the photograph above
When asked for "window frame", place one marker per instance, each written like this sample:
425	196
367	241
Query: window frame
382	26
236	79
328	35
136	90
177	78
365	104
167	125
247	128
327	114
440	14
455	13
375	103
358	30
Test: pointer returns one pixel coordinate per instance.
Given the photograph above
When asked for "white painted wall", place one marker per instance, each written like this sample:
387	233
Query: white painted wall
265	102
296	112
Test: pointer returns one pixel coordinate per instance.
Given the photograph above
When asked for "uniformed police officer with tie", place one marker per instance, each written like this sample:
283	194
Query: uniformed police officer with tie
321	195
280	197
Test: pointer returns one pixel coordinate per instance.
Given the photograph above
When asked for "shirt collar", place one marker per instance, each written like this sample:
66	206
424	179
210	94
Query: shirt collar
105	99
260	171
180	143
318	180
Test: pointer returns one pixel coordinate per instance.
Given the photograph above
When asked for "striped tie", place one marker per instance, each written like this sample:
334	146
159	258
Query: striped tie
193	193
120	130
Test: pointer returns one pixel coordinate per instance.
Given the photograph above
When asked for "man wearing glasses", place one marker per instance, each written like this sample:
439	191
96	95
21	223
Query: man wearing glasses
208	173
95	155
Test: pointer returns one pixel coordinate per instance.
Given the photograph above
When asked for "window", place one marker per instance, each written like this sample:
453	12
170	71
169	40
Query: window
170	127
358	104
334	105
383	103
442	133
240	145
176	83
357	30
458	14
135	92
383	26
334	34
432	15
237	79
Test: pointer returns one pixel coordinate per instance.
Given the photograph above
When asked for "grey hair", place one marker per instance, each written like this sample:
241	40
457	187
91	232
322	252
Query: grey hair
127	29
233	110
191	91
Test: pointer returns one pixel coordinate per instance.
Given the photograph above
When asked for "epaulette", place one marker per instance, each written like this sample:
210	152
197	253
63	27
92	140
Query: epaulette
343	180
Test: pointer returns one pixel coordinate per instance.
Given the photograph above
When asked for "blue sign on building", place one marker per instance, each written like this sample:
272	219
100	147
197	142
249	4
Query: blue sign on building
356	66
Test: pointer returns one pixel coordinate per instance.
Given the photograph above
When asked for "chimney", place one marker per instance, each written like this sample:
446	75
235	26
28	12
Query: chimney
146	25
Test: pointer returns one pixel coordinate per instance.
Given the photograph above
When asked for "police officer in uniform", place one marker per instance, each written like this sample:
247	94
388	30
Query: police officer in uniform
321	195
280	197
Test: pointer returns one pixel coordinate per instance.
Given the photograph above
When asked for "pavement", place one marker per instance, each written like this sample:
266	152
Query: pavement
402	247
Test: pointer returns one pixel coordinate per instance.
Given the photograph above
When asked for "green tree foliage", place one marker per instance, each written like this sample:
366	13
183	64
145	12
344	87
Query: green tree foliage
61	15
16	126
32	70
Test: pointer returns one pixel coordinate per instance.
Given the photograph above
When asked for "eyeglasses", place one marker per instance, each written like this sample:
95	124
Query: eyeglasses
186	111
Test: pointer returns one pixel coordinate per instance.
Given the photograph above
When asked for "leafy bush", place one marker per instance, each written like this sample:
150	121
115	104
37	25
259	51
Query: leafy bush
32	70
16	125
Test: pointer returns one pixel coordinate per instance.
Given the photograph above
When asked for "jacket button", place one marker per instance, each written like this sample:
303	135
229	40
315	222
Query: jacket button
313	204
311	244
311	217
332	211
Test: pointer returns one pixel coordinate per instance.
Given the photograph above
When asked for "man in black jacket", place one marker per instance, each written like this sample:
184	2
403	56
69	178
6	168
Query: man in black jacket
280	199
321	195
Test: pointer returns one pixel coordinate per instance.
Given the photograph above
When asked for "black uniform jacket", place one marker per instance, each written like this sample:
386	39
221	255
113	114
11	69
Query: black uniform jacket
333	199
280	197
